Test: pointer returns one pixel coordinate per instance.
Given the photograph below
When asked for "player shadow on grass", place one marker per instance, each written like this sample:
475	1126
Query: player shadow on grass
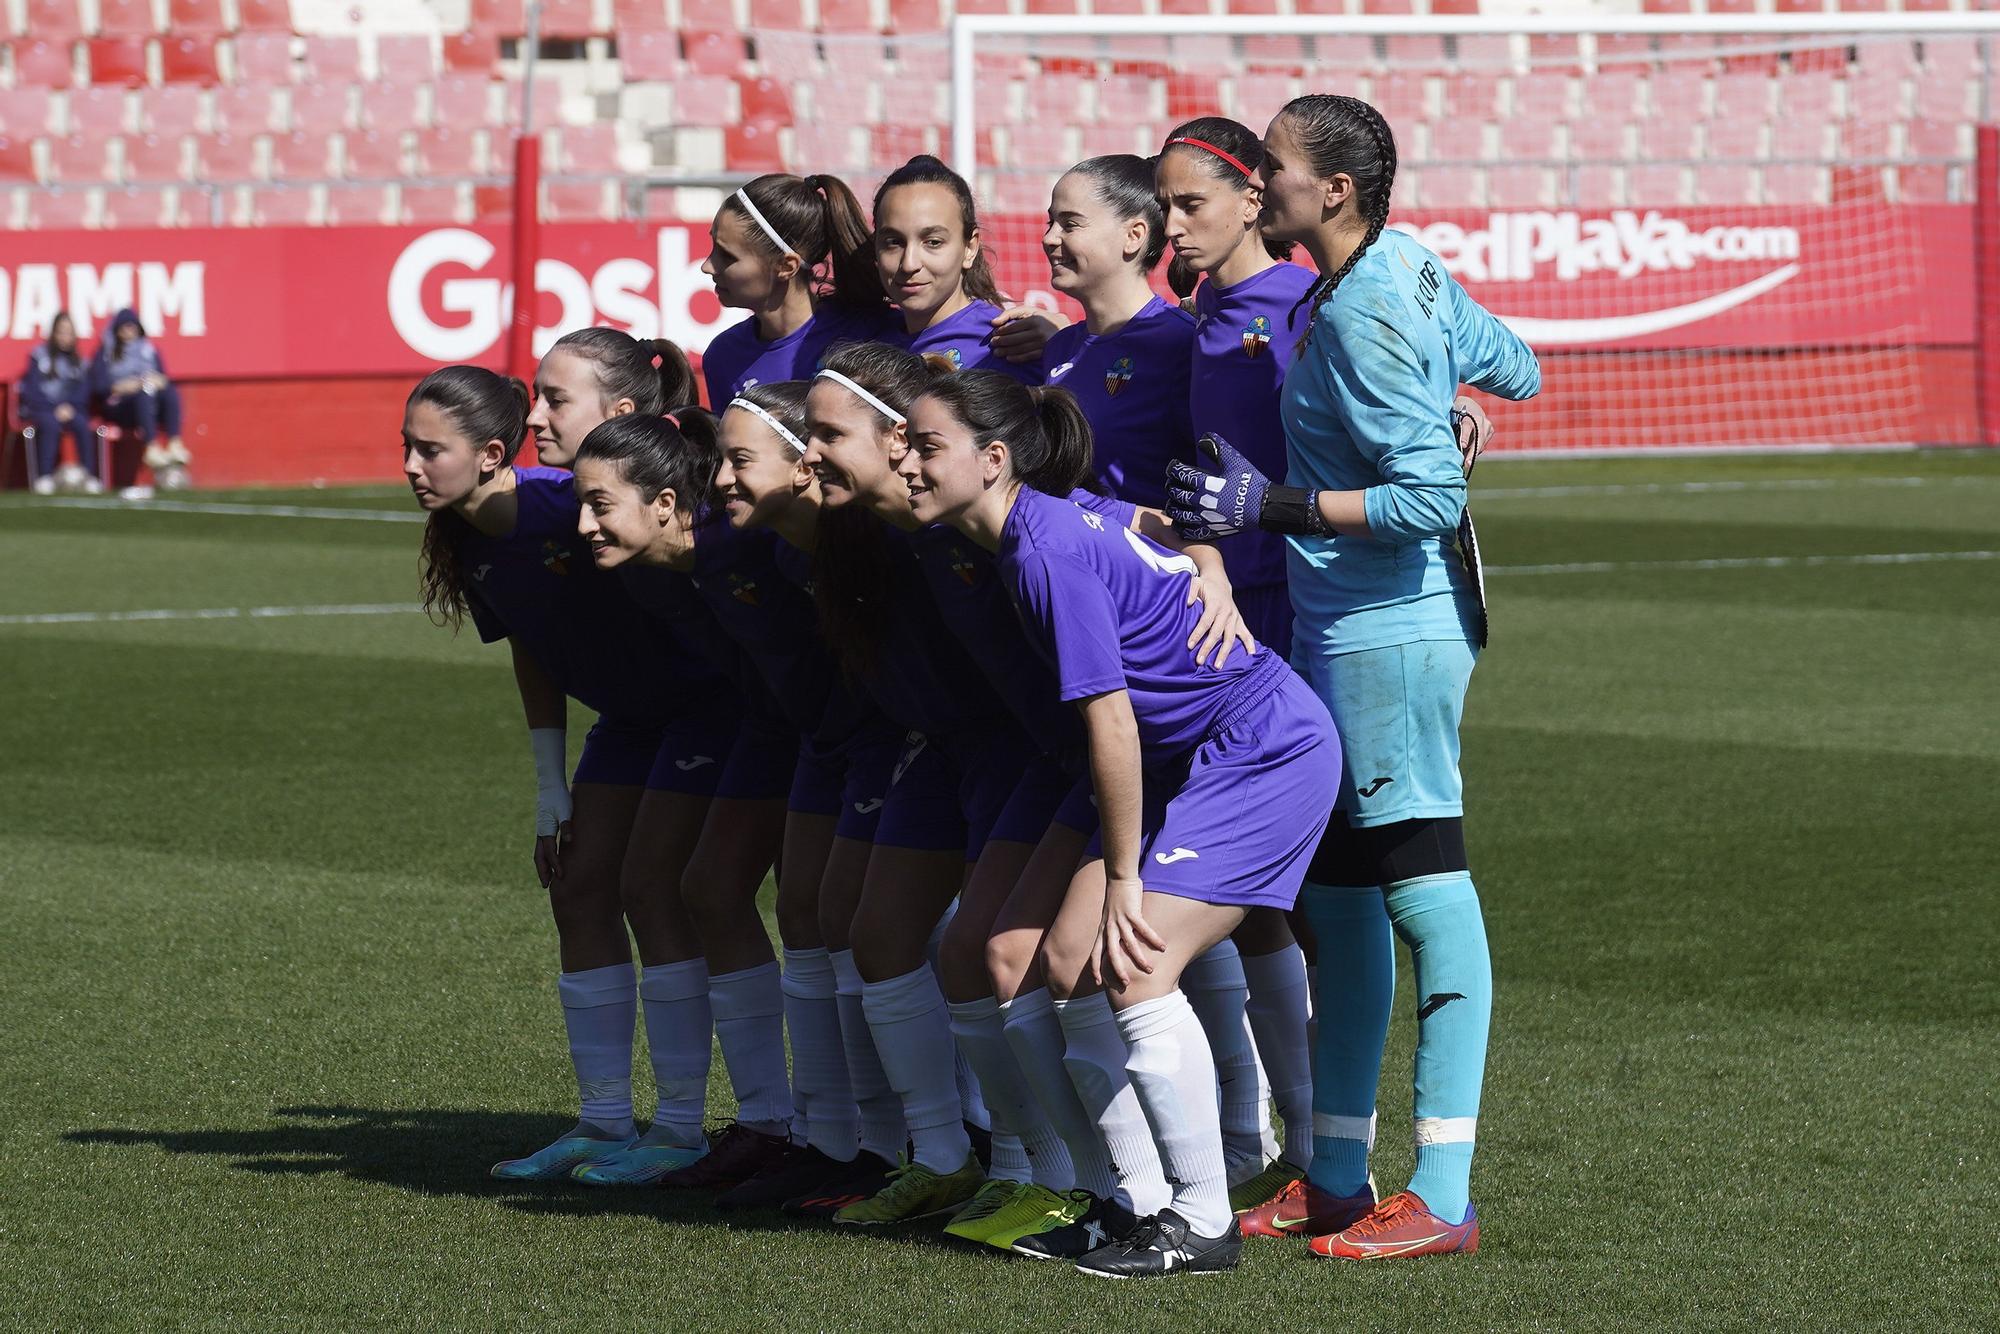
445	1152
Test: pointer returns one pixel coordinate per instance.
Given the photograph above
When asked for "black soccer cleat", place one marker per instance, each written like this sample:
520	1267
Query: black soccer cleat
805	1172
1164	1244
1105	1222
861	1180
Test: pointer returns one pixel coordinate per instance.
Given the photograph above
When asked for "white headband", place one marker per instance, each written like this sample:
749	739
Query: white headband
784	246
784	434
866	397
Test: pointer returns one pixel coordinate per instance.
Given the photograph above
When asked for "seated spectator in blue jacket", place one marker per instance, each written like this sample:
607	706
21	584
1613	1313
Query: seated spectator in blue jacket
130	381
55	399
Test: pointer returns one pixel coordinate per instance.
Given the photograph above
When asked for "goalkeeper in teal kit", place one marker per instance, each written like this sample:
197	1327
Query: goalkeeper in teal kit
1389	620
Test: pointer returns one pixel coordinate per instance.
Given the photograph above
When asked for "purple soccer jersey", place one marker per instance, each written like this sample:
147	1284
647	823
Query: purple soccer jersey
966	338
537	585
1245	337
769	617
1109	608
1132	385
738	358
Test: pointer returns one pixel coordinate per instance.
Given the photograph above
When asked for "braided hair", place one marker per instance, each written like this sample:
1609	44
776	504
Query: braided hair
1343	135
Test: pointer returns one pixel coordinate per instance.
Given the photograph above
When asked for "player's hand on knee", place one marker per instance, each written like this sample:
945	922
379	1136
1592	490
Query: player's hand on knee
1223	497
1473	428
1021	332
1125	941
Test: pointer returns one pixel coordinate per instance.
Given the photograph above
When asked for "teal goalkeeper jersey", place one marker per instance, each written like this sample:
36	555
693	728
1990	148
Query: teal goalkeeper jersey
1367	407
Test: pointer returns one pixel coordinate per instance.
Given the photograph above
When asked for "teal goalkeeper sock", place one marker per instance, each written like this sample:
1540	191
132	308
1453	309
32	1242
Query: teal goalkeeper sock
1356	988
1438	917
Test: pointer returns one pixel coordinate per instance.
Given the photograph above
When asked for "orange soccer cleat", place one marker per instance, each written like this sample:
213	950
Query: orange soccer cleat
1302	1209
1401	1226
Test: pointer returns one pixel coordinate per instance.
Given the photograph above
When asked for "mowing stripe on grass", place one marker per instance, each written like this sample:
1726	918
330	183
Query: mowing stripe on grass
235	508
209	613
1695	488
1745	562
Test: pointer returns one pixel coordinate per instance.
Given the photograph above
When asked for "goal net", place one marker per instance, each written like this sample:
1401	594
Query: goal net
1716	234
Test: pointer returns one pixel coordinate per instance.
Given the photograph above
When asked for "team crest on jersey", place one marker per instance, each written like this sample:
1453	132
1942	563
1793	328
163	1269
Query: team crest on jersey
1257	336
743	590
952	355
962	566
555	556
1118	376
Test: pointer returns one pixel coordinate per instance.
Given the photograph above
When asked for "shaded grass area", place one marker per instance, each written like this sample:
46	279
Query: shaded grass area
282	982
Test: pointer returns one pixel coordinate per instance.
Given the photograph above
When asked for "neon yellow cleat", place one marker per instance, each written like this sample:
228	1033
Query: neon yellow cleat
1036	1209
1264	1187
974	1221
916	1191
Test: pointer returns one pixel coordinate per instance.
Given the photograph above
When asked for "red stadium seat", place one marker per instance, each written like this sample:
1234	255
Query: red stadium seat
1624	51
356	204
229	157
245	109
53	20
448	151
585	149
715	52
847	16
1517	187
1185	8
791	56
1796	138
137	208
1123	97
302	155
431	204
1733	140
1794	184
1414	50
1101	140
333	59
649	57
1598	185
264	15
1652	185
1251	8
393	108
578	201
1460	7
1725	184
321	106
1615	94
915	16
502	18
903	101
1490	53
125	18
1938	138
753	146
1600	137
1400	98
1449	187
764	99
79	159
703	100
1472	95
547	101
155	159
1522	139
96	111
118	60
24	112
893	145
1543	95
196	18
1208	56
1387	7
1942	97
17	159
571	20
462	101
405	58
1742	97
1799	6
1666	138
472	52
709	15
1806	96
1928	183
1194	95
827	146
1678	92
1857	185
373	157
263	57
189	60
175	109
62	210
639	16
43	65
283	206
778	15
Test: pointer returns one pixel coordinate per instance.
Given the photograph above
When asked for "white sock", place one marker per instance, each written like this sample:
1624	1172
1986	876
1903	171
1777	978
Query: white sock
1095	1055
827	1117
1036	1039
881	1111
1214	986
1025	1145
1277	1012
678	1029
598	1014
1172	1072
971	1100
749	1011
913	1038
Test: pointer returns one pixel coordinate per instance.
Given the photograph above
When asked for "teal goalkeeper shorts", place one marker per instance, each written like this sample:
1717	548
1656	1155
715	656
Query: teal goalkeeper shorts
1397	711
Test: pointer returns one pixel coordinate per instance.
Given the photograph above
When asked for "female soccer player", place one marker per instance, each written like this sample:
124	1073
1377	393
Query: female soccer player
797	254
1127	365
932	265
1388	623
589	377
55	400
1214	782
501	546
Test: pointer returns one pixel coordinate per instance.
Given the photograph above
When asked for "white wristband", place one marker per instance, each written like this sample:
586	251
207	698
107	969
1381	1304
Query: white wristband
552	804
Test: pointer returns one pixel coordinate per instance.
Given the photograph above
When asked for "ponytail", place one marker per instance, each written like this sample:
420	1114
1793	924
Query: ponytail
482	406
676	452
625	368
1048	438
923	169
822	223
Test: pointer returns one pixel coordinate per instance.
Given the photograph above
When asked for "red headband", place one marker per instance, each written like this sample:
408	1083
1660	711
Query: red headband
1230	158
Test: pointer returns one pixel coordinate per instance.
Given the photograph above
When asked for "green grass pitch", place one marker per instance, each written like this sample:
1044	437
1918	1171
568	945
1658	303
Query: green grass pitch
278	980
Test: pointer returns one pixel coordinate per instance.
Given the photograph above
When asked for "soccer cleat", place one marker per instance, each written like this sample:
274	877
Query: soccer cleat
1264	1187
555	1162
733	1157
916	1191
641	1164
1402	1226
1164	1244
1097	1223
863	1177
1302	1209
972	1222
45	485
804	1172
1034	1209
